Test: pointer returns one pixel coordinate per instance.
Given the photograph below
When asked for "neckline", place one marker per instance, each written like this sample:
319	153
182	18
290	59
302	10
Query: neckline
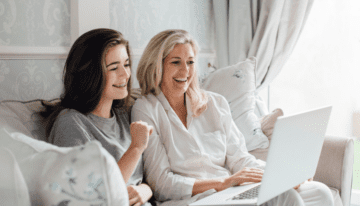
165	103
103	119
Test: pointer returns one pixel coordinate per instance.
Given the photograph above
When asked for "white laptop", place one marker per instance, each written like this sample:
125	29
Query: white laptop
292	159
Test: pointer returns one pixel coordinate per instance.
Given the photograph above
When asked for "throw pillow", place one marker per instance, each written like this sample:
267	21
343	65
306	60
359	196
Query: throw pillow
237	83
83	175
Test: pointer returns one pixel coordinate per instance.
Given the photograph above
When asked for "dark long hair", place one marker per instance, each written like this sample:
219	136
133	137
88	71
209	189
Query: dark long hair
84	75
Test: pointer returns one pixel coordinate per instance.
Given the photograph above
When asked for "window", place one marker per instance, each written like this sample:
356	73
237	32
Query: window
324	69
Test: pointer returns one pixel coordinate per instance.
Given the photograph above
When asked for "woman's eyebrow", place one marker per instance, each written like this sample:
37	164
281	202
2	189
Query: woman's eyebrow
180	58
117	62
113	63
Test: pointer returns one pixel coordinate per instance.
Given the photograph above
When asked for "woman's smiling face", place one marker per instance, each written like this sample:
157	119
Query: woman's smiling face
117	73
178	70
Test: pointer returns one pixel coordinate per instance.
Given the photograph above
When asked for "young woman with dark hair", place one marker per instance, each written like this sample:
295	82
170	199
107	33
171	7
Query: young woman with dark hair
95	105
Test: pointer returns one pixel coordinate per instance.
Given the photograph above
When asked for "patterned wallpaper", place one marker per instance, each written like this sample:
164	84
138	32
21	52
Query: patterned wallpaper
33	23
46	23
30	79
140	20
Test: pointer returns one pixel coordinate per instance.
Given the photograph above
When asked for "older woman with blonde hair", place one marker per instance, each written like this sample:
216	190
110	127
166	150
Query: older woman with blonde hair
195	148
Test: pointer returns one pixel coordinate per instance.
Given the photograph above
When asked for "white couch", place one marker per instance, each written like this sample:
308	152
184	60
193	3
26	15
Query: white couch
335	167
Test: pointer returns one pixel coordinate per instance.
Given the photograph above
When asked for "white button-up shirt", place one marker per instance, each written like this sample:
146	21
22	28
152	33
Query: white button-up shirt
210	147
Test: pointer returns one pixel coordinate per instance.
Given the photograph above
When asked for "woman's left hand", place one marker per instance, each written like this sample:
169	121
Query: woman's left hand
139	195
297	187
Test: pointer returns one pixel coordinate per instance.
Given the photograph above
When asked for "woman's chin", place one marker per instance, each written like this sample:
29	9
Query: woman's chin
178	91
123	95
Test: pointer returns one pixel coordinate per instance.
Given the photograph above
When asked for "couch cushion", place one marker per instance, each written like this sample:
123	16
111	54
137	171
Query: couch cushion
80	175
23	117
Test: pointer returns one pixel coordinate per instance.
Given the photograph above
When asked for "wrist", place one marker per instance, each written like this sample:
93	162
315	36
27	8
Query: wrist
226	183
136	148
223	184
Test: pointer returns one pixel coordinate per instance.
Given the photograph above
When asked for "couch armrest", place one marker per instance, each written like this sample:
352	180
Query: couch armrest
335	167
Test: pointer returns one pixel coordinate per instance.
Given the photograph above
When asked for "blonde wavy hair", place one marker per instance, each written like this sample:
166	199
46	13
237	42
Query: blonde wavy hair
150	68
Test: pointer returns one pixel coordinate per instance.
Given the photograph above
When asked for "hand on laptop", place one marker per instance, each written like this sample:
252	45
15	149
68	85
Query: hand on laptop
297	187
248	174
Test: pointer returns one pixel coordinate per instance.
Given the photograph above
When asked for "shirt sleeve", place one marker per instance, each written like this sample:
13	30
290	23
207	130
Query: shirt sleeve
165	184
237	155
69	130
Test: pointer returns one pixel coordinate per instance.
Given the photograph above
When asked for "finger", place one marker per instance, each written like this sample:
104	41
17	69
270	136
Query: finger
247	172
133	200
250	174
246	179
130	190
254	175
311	179
250	171
131	195
151	130
256	169
296	187
253	179
255	172
138	204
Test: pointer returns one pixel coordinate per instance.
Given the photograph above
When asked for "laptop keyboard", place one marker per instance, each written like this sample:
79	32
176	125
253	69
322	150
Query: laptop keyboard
249	194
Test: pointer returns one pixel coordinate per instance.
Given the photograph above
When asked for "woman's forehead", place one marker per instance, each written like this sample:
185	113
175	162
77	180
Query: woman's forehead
182	50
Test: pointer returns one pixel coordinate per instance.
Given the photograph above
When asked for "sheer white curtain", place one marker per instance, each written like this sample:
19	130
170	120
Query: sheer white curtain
266	29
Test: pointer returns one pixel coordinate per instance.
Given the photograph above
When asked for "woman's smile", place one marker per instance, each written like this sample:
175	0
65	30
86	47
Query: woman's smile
181	80
120	85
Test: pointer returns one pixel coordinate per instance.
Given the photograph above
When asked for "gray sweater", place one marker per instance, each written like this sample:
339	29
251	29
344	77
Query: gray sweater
72	128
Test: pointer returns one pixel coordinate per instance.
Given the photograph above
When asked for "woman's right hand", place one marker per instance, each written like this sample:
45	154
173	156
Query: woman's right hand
247	174
140	132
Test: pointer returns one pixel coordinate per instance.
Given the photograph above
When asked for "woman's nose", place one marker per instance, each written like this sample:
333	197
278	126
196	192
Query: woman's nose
185	66
124	71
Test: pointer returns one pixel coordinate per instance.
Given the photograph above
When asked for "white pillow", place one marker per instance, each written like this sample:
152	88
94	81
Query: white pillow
237	83
13	189
83	175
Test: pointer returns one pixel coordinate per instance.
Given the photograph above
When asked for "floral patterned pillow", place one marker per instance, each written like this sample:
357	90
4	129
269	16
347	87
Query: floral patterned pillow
83	175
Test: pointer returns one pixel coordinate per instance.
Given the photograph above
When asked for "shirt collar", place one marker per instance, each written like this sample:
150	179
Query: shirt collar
165	103
162	99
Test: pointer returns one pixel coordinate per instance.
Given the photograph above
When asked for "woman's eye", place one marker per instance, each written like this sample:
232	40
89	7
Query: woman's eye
113	69
127	65
191	62
176	62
